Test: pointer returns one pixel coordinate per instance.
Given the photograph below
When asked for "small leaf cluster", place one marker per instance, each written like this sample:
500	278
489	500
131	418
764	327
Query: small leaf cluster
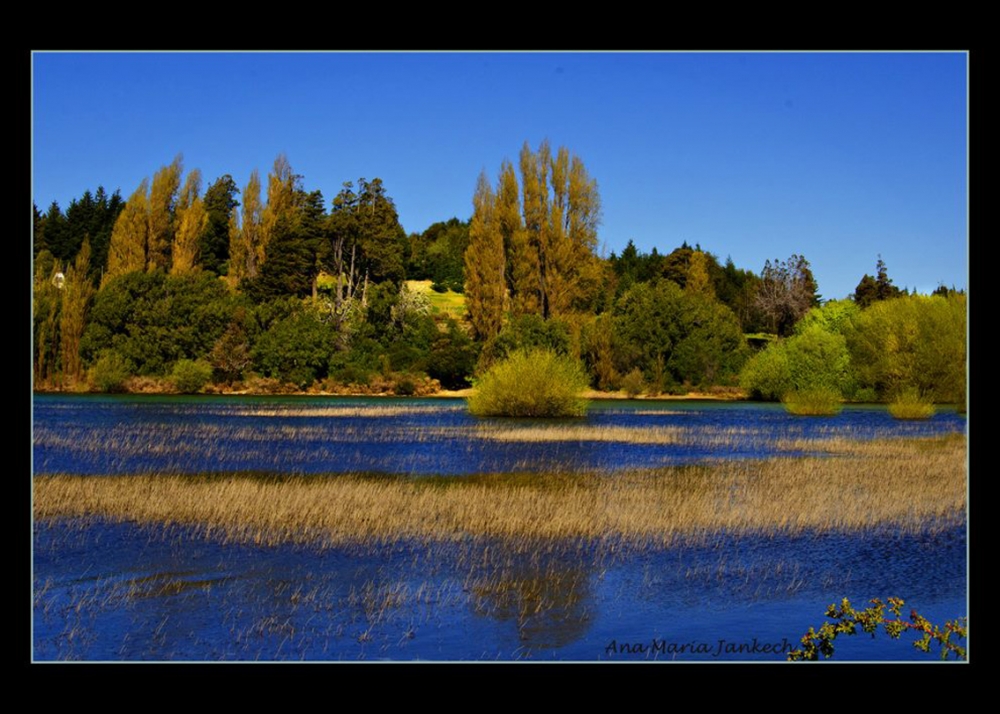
847	620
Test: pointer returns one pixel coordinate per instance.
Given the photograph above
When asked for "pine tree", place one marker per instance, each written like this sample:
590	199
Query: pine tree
77	292
213	244
162	197
192	220
127	247
485	287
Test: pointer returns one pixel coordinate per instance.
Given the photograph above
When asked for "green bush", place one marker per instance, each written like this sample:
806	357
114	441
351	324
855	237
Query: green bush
633	383
189	375
767	375
110	372
535	383
910	405
816	401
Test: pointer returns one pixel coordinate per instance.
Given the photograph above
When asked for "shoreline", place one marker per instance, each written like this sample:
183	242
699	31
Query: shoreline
592	394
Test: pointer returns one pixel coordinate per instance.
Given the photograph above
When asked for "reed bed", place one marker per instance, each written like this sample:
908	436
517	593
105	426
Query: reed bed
627	435
910	484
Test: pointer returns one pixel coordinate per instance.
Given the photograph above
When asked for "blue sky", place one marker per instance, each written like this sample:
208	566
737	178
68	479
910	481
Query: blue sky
836	156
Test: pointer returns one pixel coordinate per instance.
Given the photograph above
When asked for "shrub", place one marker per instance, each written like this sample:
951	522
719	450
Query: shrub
110	372
767	376
190	375
405	387
633	383
817	401
535	383
910	405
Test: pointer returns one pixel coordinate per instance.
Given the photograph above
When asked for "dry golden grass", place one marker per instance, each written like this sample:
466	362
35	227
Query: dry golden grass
628	435
910	484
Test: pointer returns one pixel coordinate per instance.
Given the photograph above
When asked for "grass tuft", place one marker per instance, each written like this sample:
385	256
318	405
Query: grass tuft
910	405
817	401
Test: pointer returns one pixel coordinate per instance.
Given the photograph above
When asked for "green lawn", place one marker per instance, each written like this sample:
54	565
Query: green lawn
446	303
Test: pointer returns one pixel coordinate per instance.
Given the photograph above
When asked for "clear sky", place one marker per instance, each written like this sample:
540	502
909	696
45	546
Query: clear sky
839	157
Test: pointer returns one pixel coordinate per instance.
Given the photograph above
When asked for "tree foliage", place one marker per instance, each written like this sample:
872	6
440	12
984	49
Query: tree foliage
127	248
160	216
485	286
191	222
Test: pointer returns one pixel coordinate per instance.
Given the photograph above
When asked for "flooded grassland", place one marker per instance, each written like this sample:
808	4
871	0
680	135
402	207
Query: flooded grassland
350	529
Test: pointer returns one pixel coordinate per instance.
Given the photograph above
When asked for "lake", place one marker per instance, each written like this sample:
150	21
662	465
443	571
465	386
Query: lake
124	591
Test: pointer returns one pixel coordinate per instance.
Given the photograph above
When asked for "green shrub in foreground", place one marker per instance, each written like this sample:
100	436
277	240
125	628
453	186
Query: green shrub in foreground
536	383
110	372
189	375
817	401
910	405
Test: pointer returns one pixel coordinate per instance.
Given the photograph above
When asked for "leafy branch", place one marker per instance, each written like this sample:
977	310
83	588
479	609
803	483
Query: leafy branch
846	620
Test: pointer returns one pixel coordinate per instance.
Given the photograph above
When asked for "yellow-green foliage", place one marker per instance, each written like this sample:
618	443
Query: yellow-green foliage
816	401
916	342
910	405
537	383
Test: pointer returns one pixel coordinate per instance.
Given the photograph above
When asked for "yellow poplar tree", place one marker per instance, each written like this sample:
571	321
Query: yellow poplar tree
127	246
77	292
244	248
485	287
698	281
280	203
522	262
162	195
192	220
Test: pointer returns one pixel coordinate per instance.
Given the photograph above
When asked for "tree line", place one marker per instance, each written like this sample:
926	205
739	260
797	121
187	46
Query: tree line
272	287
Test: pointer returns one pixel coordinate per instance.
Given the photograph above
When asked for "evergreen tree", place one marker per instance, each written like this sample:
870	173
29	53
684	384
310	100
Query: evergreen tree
192	220
127	247
219	200
55	233
162	198
485	287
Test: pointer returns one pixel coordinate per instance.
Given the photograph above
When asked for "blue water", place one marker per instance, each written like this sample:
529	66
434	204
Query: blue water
106	591
112	435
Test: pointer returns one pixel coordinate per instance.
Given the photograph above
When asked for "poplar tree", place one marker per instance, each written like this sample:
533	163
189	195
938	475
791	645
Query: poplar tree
245	251
535	207
485	287
162	197
561	209
77	292
127	247
698	281
281	204
45	308
521	262
192	220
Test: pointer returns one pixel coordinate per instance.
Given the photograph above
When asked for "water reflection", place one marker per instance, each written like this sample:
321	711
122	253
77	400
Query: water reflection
309	435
